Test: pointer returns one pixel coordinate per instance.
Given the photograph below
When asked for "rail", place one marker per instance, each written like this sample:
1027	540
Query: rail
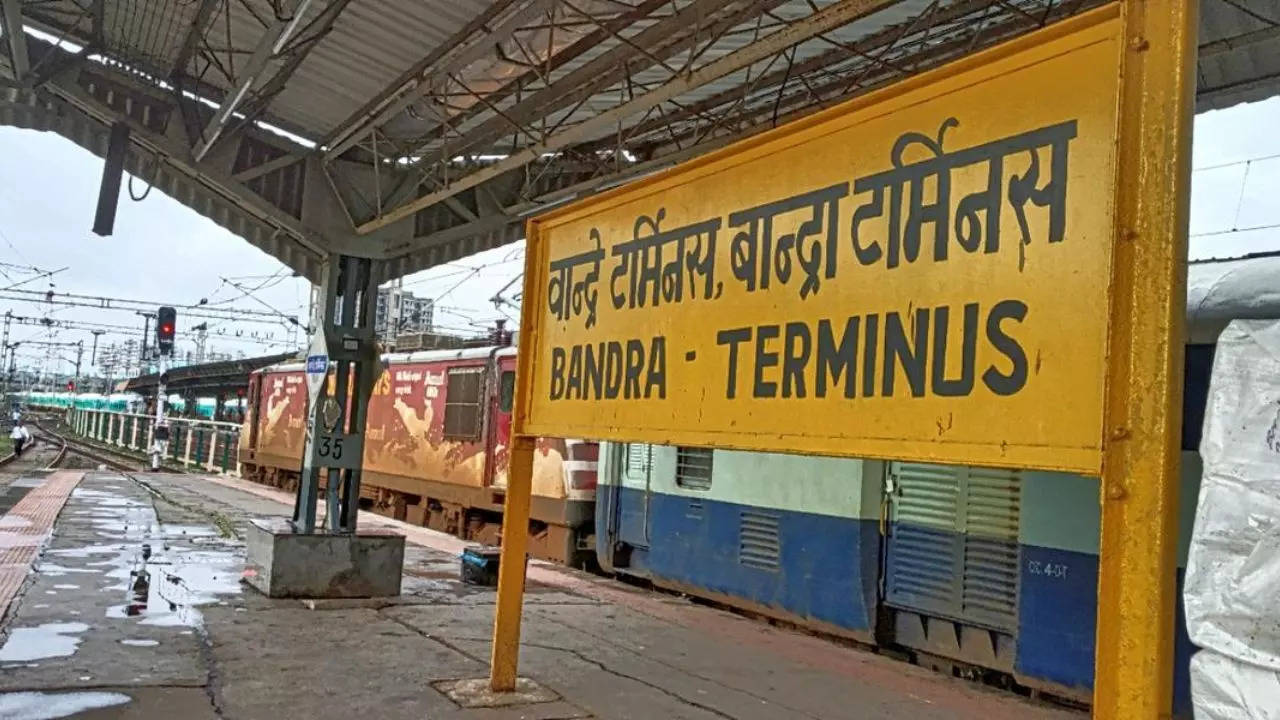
68	446
194	444
61	455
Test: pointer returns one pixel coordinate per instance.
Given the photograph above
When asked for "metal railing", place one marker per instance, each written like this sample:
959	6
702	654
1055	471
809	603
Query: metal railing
203	445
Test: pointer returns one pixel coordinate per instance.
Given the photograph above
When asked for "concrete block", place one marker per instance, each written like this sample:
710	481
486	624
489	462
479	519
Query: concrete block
283	563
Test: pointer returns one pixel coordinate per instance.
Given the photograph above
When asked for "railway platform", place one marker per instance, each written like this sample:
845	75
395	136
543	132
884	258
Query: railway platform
134	608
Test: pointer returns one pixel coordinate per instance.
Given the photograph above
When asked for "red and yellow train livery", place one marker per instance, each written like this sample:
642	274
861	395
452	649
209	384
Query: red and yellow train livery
436	449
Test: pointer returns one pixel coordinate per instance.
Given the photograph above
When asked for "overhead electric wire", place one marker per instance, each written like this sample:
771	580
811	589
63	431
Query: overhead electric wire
1234	163
1250	228
197	311
42	273
278	276
290	319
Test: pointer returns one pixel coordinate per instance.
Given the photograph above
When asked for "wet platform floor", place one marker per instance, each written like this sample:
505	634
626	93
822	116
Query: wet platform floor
135	609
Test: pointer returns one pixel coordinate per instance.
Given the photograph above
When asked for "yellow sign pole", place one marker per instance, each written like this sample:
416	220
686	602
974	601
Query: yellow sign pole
1144	387
515	541
505	655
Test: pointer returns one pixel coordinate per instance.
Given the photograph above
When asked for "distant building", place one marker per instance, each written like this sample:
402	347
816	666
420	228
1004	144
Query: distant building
400	312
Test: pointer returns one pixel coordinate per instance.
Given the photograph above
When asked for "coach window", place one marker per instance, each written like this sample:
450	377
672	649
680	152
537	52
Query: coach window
693	468
1195	392
462	403
506	391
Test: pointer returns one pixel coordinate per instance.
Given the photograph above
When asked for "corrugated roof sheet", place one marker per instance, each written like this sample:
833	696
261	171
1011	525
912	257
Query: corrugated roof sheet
370	45
1239	52
374	41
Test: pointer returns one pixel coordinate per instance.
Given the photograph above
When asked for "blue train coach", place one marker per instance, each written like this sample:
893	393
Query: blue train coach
977	570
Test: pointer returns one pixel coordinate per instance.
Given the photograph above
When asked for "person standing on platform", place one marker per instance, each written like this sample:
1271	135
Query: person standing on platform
20	438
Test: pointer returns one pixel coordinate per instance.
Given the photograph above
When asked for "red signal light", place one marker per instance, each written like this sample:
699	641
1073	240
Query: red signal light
166	323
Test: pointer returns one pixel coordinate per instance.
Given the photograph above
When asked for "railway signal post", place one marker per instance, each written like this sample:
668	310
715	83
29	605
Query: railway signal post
303	556
166	330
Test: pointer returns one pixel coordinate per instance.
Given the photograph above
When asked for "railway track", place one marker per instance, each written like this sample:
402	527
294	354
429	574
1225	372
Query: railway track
41	454
97	456
51	450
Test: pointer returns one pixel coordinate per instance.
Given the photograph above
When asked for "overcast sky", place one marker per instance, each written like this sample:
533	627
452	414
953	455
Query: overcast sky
164	253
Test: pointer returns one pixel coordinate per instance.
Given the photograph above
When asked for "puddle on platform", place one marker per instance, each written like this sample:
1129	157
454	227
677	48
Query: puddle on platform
189	531
55	570
133	642
162	573
101	498
43	641
49	706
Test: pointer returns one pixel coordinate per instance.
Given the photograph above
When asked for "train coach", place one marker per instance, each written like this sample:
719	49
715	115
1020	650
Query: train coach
975	571
436	449
979	571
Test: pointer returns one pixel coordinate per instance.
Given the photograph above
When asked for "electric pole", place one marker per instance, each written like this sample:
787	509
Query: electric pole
93	354
79	357
8	317
202	338
144	359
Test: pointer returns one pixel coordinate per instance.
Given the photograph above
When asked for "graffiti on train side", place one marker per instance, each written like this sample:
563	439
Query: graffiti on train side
405	432
284	414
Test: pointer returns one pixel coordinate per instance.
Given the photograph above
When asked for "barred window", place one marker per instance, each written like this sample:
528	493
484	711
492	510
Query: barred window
639	459
462	403
693	468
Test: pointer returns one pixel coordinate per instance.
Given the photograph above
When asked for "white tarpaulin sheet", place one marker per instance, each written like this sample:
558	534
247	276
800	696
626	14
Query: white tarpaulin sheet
1232	591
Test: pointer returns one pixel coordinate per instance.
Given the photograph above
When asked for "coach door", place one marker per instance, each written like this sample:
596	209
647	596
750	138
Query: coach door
250	418
635	469
952	545
498	422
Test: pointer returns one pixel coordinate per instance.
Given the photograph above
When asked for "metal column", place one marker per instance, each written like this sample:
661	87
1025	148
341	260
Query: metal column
336	422
1144	391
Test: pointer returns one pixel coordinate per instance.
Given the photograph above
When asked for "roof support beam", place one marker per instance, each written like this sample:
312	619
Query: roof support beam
872	43
853	81
1229	44
645	49
311	35
606	30
825	20
99	23
273	39
204	15
465	47
267	167
15	38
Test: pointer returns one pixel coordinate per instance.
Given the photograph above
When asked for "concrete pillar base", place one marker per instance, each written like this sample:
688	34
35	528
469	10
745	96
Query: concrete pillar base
284	563
475	693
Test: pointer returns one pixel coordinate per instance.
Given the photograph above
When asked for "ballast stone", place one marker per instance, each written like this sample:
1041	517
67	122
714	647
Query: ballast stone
281	562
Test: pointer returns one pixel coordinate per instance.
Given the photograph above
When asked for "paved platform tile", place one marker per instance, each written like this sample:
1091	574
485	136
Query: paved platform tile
25	528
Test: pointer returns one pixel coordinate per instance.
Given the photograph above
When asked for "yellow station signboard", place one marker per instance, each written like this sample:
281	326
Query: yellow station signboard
920	273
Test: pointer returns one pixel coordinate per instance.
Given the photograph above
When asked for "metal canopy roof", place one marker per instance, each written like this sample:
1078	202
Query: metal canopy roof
419	131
